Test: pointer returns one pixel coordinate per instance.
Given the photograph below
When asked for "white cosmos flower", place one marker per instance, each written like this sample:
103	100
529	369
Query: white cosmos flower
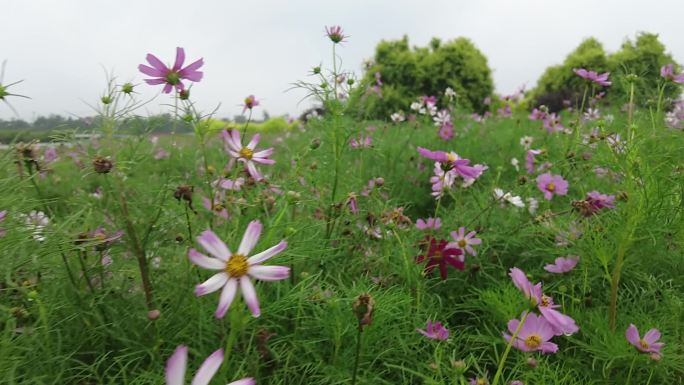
509	198
236	269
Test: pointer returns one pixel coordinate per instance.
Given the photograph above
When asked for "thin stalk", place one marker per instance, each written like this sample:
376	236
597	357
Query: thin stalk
358	355
631	368
499	370
187	221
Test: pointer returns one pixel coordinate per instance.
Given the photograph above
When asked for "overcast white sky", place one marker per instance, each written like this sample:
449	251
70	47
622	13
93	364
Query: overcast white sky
59	47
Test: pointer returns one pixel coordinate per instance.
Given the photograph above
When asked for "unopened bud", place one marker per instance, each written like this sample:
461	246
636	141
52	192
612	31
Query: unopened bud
153	315
532	363
106	100
127	88
315	143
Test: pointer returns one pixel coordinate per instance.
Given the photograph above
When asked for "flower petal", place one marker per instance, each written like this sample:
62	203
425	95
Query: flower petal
202	260
211	243
150	71
156	63
255	140
250	296
175	366
208	368
269	273
632	335
180	58
212	284
652	336
244	381
267	254
226	298
251	237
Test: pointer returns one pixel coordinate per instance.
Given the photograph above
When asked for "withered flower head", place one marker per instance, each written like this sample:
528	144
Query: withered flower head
363	309
102	165
184	192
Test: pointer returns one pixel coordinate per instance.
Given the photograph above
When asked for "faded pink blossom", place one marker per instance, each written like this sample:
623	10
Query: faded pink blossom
562	264
429	224
435	331
552	185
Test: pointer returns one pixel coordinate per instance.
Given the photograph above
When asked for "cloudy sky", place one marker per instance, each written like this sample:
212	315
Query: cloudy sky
62	48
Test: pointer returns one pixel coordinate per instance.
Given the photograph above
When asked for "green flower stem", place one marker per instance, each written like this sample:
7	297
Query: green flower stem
499	370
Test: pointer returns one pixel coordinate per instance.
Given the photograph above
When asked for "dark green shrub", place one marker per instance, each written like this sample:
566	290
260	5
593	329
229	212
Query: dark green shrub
408	73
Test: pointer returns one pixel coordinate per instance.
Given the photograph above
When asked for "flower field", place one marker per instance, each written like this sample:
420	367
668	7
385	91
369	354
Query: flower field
440	244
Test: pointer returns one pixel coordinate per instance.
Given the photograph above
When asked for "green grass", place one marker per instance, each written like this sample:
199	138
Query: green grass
55	333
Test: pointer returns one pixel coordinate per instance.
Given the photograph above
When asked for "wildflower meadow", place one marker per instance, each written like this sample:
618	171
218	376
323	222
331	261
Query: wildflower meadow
396	233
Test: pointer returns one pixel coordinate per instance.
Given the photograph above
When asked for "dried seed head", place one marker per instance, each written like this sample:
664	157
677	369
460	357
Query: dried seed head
184	192
102	165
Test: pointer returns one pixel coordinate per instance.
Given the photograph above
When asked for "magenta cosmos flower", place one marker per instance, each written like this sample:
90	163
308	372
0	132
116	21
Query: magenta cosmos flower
594	77
534	334
562	264
236	269
597	201
247	155
174	76
667	72
250	102
335	34
648	344
465	241
561	323
429	223
439	253
176	366
435	331
459	165
552	185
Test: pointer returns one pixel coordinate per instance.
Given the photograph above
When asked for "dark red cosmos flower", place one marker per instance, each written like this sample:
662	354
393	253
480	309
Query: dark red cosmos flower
439	253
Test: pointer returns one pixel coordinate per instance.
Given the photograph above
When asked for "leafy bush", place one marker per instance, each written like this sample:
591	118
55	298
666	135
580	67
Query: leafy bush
408	73
642	57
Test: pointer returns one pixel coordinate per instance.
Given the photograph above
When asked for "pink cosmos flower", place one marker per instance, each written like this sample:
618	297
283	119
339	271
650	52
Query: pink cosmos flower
552	185
530	159
537	114
236	269
560	323
435	331
233	146
594	77
174	76
335	34
446	131
562	264
552	123
598	201
534	335
429	223
465	241
459	165
250	102
352	203
361	142
667	72
216	206
439	253
161	154
177	363
648	344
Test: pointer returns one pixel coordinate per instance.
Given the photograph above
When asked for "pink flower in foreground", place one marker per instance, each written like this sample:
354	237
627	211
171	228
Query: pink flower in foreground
177	363
534	335
667	72
594	77
435	331
174	76
250	102
429	223
465	241
560	323
459	165
236	269
233	146
562	265
648	344
552	185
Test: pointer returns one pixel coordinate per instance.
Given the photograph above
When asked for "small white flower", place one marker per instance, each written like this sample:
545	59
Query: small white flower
532	205
398	117
515	164
441	118
526	142
507	198
450	93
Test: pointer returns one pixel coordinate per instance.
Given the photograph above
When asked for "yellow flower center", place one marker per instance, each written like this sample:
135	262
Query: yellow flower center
246	153
533	341
451	157
100	237
644	344
462	243
237	266
550	187
545	301
218	207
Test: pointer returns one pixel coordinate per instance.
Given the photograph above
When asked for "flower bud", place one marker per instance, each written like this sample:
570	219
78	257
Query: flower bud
102	165
106	99
315	143
153	315
127	88
184	95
